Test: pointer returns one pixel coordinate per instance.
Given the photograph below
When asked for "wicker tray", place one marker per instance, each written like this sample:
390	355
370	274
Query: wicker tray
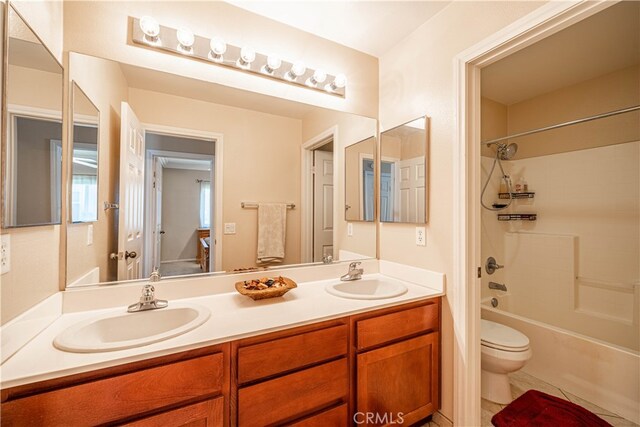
266	293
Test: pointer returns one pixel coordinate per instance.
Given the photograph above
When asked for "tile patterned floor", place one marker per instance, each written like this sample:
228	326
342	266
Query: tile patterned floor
521	382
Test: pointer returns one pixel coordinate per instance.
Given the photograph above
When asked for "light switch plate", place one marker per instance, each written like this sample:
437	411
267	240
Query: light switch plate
229	228
90	235
349	229
6	253
421	236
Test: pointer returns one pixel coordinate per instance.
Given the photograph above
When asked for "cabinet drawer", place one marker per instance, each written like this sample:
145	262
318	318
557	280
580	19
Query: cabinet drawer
388	327
121	396
335	417
293	395
285	354
209	413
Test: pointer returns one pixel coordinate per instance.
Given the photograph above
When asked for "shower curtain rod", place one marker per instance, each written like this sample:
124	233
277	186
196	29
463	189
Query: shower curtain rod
560	125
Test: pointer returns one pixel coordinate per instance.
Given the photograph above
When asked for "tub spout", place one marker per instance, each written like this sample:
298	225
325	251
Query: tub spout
498	286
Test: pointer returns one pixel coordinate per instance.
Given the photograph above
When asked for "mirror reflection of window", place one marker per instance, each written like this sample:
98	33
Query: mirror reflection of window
403	174
84	158
205	204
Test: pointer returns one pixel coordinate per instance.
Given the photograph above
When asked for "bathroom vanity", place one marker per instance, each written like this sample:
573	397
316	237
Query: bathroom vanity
383	361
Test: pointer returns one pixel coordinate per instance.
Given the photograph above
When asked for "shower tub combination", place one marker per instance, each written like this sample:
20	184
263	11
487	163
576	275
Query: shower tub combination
599	372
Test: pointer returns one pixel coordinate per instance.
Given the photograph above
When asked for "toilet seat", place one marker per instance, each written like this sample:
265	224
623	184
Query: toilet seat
501	337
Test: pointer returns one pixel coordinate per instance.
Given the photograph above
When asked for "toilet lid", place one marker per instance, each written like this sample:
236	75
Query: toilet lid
502	337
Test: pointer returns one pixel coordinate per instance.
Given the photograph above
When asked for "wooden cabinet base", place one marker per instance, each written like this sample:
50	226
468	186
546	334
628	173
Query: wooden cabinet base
209	413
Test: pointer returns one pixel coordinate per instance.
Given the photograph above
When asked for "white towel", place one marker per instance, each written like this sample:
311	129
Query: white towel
272	229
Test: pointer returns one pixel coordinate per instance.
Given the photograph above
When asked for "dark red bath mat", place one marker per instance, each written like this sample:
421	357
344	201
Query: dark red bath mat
538	409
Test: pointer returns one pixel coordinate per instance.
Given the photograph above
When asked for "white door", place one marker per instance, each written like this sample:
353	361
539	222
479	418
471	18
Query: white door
412	190
322	204
131	212
157	203
387	191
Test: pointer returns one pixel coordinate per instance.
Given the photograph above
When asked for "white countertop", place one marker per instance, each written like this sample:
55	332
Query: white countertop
233	316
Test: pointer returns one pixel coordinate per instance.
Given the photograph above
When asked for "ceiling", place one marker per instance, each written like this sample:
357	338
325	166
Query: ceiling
372	27
598	45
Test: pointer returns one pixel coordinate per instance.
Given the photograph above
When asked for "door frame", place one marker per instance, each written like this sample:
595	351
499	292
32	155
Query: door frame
464	291
306	234
217	175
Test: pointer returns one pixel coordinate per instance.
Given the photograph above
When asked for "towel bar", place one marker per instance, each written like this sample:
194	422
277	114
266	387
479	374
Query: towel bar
254	205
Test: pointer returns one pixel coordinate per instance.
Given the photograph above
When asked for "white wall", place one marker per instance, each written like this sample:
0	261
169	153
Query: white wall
416	79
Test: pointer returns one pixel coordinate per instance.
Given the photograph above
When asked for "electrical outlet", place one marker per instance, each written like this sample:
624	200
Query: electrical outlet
349	229
421	236
6	253
90	235
229	228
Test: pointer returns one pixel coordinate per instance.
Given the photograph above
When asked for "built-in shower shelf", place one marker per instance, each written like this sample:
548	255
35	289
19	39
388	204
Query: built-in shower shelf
517	217
524	195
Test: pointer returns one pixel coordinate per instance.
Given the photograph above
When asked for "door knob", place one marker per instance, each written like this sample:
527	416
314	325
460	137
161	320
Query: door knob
131	254
162	231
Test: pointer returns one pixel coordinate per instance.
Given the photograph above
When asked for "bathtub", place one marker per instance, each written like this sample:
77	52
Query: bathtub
604	374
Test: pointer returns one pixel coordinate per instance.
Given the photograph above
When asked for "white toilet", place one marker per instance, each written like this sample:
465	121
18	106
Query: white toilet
504	350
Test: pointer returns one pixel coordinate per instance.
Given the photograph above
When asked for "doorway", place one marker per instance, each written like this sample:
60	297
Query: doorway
180	204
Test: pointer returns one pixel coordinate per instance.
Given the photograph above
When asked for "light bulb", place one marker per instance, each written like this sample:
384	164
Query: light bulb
297	69
150	28
273	63
185	37
218	47
247	56
319	76
338	82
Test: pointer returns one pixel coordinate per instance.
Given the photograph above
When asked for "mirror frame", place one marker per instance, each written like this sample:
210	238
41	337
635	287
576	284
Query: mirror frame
8	7
427	175
376	190
72	97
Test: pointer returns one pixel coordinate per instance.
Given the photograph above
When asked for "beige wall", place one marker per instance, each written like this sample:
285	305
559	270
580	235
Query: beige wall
24	286
106	87
180	212
350	129
261	158
100	28
416	79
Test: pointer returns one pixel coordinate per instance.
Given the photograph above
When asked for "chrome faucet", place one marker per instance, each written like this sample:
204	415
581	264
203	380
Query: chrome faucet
498	286
148	300
354	273
327	259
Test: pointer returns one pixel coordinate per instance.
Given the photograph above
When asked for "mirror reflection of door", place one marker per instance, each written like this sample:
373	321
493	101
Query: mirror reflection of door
387	190
367	192
179	204
131	211
323	202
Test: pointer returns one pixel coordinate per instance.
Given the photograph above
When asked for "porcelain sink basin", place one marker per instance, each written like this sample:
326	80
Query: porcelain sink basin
367	288
118	331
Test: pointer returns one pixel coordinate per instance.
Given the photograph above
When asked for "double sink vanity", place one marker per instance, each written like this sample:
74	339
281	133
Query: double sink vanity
323	353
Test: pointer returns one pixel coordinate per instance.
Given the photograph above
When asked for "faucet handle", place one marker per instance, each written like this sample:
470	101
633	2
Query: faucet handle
354	265
155	276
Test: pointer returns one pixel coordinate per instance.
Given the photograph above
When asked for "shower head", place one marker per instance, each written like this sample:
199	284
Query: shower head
506	152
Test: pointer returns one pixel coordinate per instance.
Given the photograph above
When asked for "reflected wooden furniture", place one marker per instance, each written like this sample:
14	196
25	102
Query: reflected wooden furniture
204	254
200	249
385	362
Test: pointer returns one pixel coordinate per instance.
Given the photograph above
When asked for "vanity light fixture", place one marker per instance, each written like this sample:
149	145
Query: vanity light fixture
218	47
273	63
185	40
147	32
151	29
247	56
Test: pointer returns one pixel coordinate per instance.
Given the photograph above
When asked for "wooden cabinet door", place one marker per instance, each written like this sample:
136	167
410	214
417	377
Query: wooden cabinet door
209	413
398	381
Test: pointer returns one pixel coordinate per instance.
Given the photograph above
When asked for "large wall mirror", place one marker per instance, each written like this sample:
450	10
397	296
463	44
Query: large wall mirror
84	157
201	178
359	180
32	143
404	173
